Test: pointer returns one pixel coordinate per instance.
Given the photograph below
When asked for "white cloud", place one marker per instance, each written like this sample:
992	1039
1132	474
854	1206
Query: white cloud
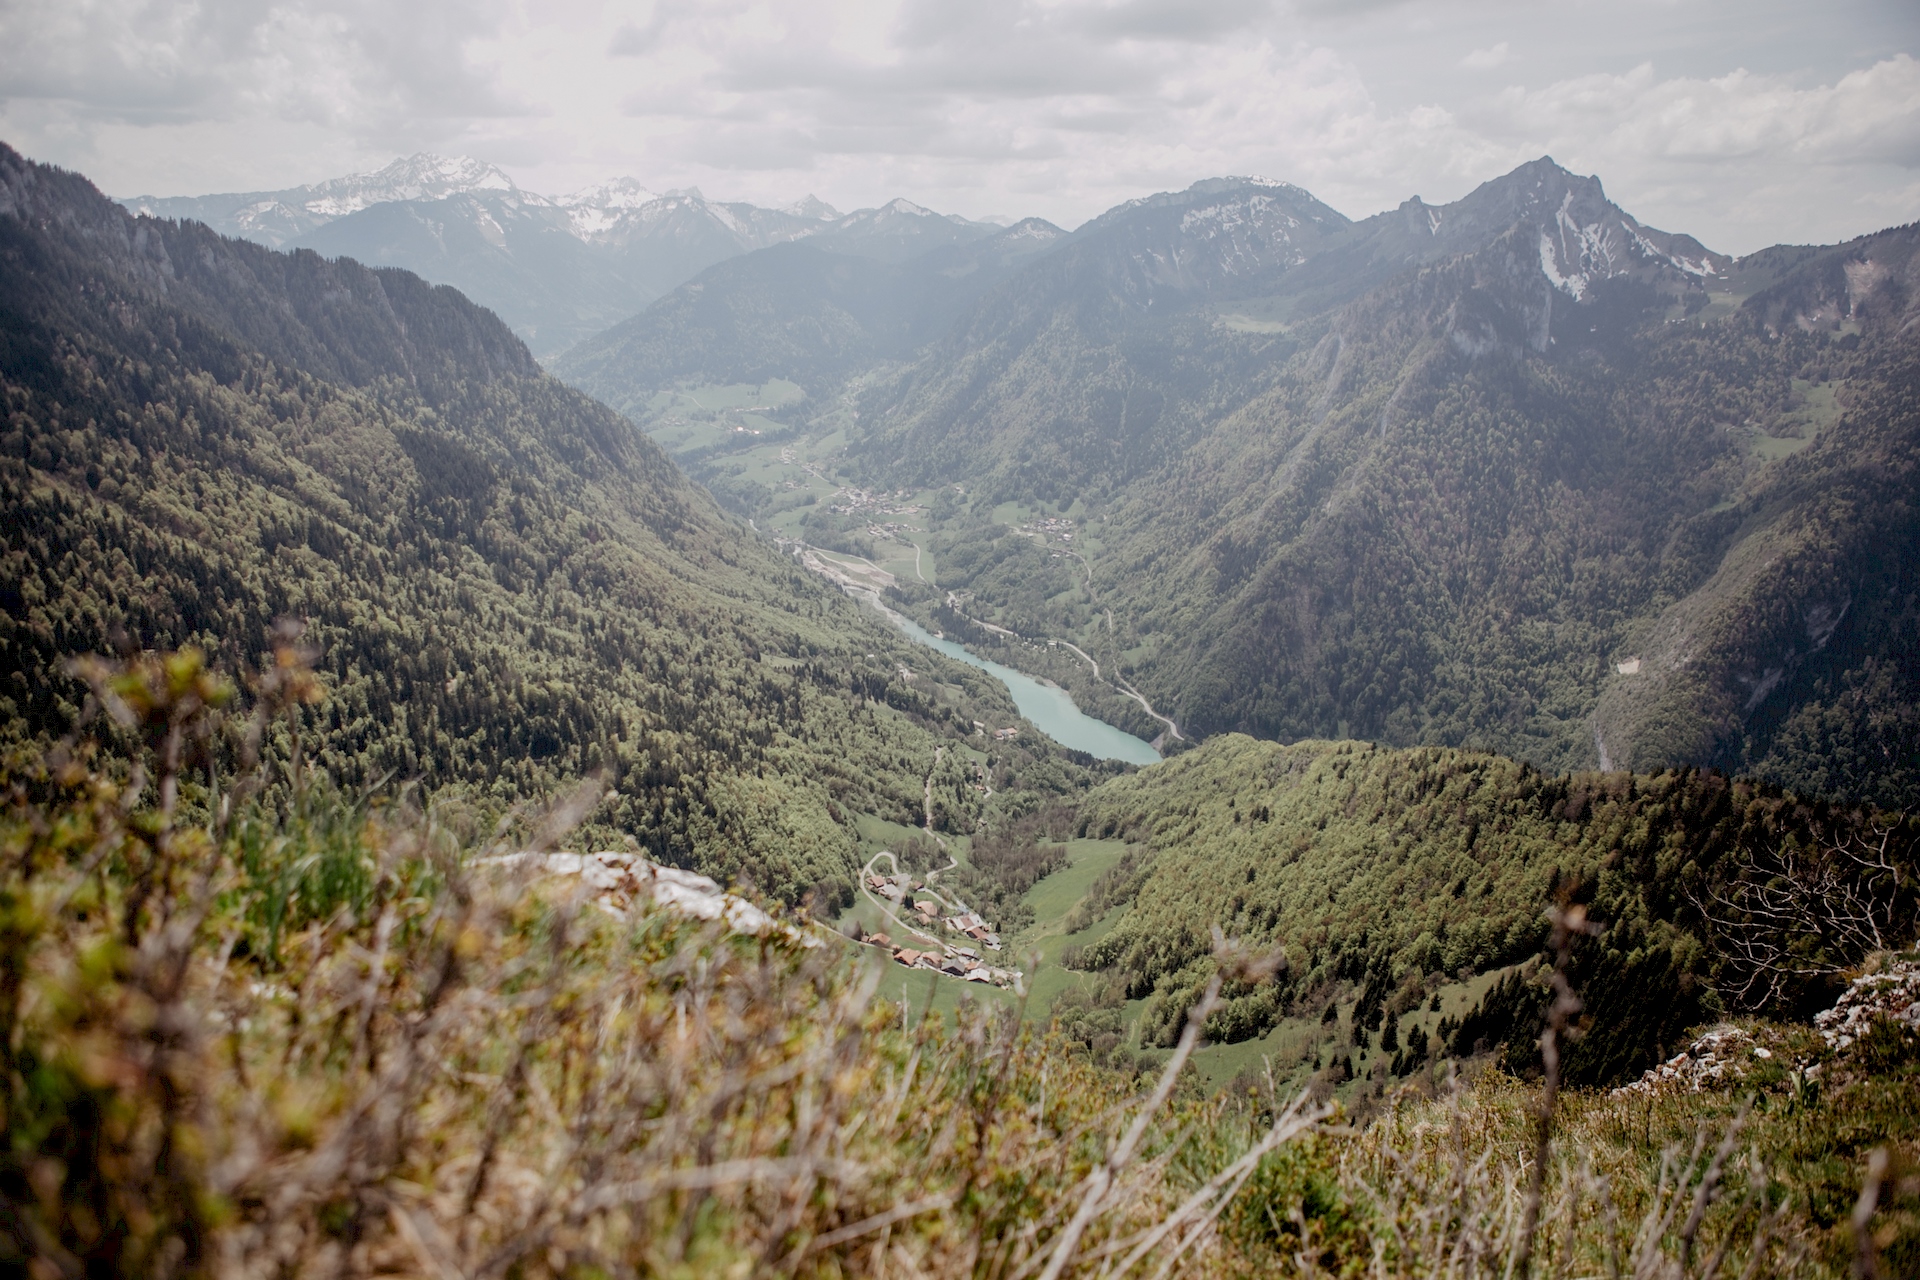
1486	59
368	73
1870	116
1055	107
1764	157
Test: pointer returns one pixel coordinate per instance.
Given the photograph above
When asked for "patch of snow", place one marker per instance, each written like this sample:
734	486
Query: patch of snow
1654	251
1768	681
1033	229
1574	285
620	193
418	177
811	206
1823	620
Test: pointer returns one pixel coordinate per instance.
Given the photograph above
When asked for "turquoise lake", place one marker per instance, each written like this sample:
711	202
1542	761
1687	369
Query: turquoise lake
1048	706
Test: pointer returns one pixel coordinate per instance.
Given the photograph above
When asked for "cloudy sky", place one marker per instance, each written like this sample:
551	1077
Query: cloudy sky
1746	122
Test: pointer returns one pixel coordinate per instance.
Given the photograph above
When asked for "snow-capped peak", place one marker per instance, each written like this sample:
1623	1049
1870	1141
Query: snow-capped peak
417	177
1236	182
1591	240
621	193
907	207
812	206
1032	229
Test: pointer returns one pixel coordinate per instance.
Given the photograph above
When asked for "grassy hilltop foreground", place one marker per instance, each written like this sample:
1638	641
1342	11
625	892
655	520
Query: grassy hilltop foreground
288	1037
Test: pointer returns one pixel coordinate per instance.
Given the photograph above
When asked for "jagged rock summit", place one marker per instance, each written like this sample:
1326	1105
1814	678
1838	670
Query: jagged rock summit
1239	236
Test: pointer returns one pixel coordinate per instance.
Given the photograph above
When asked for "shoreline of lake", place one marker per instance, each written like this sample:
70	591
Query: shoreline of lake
1049	707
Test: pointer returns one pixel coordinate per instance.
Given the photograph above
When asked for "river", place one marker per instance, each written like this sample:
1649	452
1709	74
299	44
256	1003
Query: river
1048	706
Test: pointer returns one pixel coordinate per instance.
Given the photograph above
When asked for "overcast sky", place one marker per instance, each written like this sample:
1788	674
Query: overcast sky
1745	122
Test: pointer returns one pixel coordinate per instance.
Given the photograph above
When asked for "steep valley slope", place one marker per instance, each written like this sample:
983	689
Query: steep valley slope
507	586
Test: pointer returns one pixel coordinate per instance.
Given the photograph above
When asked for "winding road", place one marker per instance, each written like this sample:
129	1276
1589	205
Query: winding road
954	905
1121	685
1094	598
886	904
927	800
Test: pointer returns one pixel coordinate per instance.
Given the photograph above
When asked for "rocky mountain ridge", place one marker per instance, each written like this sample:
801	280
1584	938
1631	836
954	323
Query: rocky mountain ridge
556	268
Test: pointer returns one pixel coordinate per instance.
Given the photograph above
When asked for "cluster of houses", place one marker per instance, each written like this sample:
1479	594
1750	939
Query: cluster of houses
1059	528
851	500
888	888
963	922
950	958
956	962
976	928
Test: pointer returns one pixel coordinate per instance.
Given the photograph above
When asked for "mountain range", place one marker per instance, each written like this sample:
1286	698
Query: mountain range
557	269
1517	472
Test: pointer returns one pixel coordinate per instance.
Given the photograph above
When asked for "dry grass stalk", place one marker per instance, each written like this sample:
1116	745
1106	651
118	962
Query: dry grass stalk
459	1070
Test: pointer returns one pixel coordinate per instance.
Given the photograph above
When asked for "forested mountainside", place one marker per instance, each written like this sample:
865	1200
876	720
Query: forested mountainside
1393	873
1516	473
508	586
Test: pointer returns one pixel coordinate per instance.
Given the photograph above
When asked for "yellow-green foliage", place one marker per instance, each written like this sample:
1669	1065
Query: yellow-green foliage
1371	864
1437	1186
354	1046
459	1070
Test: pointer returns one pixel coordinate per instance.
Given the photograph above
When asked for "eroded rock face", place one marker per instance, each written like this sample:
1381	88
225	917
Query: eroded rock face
1724	1056
1720	1057
1893	993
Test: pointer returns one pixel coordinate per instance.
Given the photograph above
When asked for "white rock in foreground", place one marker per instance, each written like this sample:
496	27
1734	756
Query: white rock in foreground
620	880
1893	994
1716	1057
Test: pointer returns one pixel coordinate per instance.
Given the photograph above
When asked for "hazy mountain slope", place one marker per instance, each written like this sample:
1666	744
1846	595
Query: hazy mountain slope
900	231
796	311
509	587
556	269
1796	658
1111	353
275	218
1467	551
519	258
1092	362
